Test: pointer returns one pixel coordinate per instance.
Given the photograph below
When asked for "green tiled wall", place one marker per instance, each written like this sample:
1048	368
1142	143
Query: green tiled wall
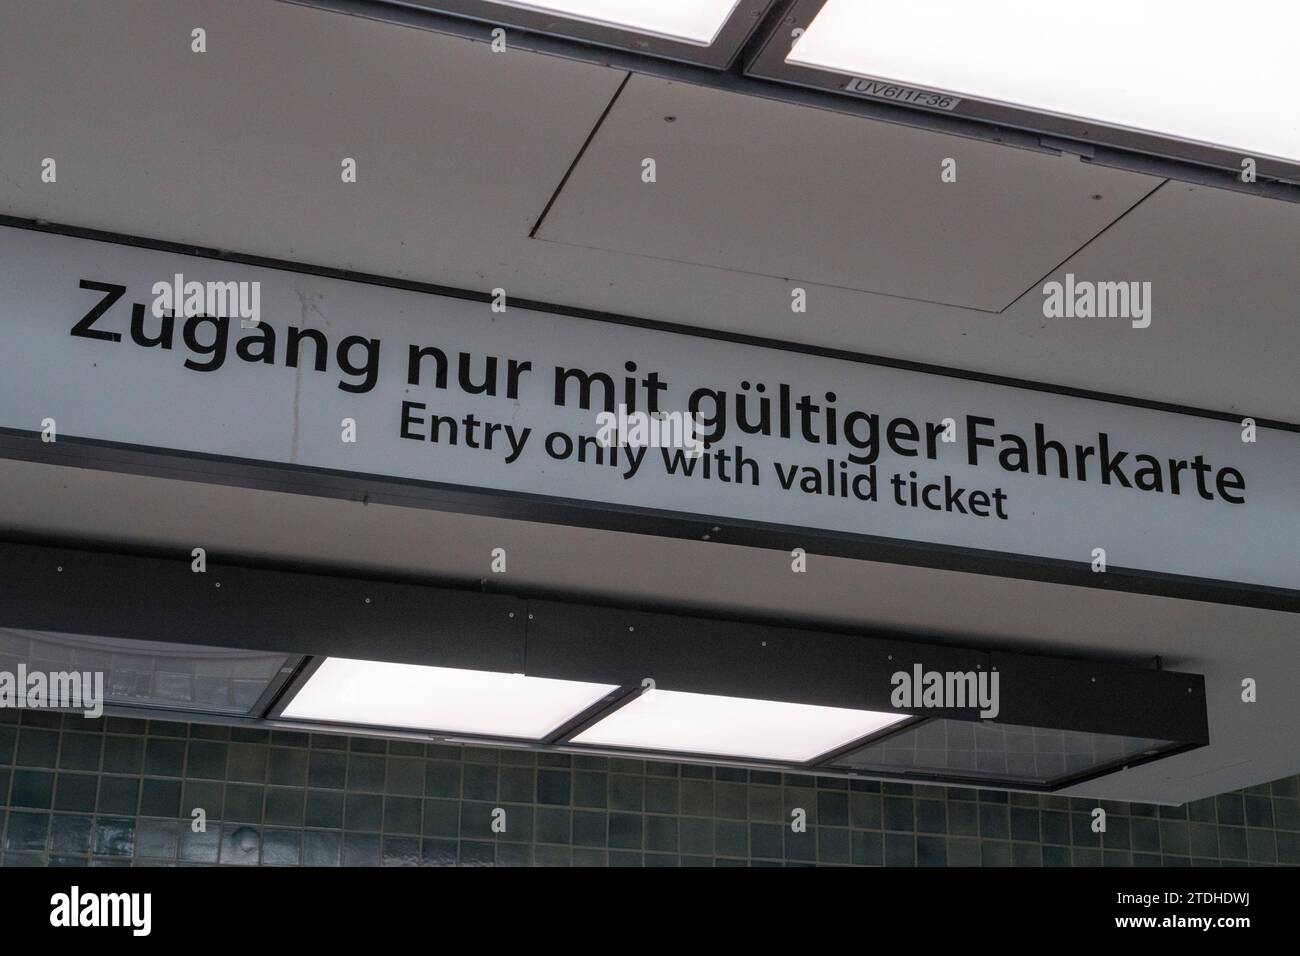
114	792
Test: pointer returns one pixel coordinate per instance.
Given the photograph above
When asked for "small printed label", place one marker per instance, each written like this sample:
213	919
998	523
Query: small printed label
883	90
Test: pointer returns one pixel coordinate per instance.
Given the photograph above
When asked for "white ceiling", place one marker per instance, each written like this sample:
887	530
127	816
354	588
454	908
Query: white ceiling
460	150
760	186
241	147
1225	285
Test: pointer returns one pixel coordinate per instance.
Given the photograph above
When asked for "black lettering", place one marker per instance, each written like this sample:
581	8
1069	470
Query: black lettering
513	371
1238	483
408	419
165	329
293	347
489	383
902	430
973	441
1202	469
370	370
265	337
84	329
414	357
217	350
1042	446
585	383
1110	463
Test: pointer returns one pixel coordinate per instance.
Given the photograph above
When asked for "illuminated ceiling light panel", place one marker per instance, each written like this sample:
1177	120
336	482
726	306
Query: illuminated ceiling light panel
1203	71
732	726
690	21
416	697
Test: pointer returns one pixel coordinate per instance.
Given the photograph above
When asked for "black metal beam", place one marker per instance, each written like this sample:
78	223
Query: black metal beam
151	598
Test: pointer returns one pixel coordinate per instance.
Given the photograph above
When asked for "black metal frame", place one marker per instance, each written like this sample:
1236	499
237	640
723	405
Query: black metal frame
717	55
26	445
143	597
770	64
813	91
288	672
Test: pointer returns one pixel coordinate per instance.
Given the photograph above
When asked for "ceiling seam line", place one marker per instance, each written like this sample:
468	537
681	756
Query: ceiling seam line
787	279
399	13
564	181
1105	229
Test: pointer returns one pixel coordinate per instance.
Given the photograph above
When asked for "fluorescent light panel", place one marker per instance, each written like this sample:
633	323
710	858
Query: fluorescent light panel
416	697
1198	70
1036	756
732	726
150	673
690	21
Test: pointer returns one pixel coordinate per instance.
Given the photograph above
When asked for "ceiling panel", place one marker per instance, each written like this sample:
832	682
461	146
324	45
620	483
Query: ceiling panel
463	148
242	147
1224	269
765	187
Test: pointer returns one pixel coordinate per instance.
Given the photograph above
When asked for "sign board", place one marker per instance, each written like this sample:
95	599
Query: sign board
355	376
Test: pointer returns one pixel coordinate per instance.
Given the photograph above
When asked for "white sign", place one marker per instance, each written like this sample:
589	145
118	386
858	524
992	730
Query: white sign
370	379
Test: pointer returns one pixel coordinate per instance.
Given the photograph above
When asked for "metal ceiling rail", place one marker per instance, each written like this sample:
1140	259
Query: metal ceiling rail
1132	715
